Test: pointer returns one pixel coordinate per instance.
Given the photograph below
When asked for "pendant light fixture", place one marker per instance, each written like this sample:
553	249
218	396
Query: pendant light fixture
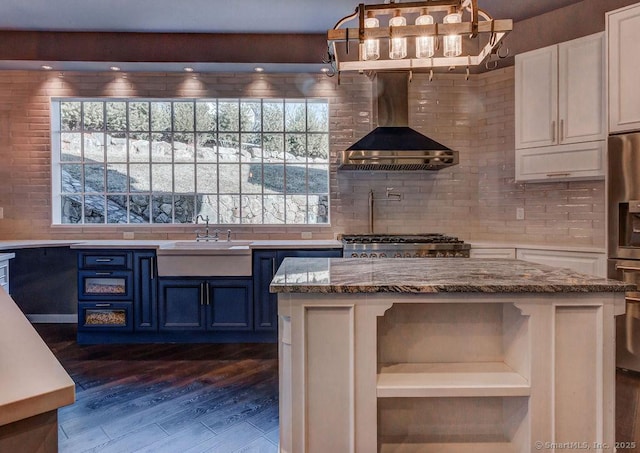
397	46
371	46
452	43
449	20
425	45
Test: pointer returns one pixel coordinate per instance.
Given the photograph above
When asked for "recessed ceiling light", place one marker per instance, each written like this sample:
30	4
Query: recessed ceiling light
258	69
188	69
115	68
46	67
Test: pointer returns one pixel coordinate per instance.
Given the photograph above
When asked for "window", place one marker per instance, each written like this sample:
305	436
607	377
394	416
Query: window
150	161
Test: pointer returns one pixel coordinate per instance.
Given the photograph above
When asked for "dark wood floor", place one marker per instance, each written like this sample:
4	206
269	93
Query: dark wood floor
200	398
167	398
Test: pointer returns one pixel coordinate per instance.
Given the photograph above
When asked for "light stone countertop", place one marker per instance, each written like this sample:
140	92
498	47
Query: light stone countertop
432	275
7	256
32	381
155	244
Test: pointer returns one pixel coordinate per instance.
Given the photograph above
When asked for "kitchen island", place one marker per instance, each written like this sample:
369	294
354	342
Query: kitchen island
444	355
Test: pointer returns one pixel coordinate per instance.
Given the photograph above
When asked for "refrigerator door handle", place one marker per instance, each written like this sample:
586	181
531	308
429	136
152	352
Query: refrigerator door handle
633	312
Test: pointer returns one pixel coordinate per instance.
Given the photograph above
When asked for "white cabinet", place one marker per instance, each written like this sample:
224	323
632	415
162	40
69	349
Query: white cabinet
4	270
494	252
623	33
560	111
591	263
561	162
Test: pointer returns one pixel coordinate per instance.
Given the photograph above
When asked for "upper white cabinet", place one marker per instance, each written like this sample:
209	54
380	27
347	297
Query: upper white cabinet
623	32
560	111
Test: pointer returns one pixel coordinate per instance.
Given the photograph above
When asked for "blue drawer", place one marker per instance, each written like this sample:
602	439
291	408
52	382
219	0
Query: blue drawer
105	285
109	316
105	260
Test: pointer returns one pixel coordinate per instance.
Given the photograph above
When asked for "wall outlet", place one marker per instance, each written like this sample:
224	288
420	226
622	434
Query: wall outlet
306	235
519	213
1	213
127	235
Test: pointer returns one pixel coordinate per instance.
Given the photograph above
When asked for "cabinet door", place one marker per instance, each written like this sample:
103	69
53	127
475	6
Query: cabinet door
536	95
591	263
581	90
181	304
623	33
265	264
562	162
144	292
498	252
229	304
265	303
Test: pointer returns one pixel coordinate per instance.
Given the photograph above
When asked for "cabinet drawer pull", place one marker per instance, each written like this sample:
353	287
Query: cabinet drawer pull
273	267
555	175
103	273
561	130
201	293
104	260
553	131
208	293
152	266
103	305
627	268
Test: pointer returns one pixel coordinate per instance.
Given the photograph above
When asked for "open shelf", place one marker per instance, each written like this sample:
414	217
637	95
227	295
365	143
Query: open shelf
450	380
489	447
453	378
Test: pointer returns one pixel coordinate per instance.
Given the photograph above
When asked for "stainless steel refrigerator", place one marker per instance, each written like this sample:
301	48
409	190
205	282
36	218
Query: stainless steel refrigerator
623	247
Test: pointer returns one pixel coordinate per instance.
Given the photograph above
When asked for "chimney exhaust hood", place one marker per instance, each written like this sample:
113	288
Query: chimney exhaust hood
393	146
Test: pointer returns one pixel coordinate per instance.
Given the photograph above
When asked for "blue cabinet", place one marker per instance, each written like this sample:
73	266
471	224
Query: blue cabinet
265	265
145	292
212	304
122	300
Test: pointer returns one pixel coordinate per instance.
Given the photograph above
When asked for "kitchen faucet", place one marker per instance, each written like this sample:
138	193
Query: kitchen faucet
205	237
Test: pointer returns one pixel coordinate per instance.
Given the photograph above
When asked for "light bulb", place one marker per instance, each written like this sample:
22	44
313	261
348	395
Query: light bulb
425	47
397	46
452	43
371	46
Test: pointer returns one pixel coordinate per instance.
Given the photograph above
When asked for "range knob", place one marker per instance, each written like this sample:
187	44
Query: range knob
354	255
383	255
397	255
364	255
373	255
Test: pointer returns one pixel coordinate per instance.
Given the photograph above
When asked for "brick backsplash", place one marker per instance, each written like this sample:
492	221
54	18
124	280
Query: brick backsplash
475	200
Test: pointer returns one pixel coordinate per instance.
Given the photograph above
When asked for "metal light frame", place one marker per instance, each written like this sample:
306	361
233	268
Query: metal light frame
495	29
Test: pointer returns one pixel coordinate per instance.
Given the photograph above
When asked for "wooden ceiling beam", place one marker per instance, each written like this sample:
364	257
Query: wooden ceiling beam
163	47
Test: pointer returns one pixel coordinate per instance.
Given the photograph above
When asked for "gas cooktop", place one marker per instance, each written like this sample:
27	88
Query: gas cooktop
426	238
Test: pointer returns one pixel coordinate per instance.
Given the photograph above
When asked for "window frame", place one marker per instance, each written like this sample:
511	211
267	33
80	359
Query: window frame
310	210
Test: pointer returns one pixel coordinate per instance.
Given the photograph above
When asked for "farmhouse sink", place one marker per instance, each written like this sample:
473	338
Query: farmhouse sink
208	245
204	259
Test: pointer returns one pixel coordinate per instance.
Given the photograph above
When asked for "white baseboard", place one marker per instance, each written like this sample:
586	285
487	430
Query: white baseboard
53	319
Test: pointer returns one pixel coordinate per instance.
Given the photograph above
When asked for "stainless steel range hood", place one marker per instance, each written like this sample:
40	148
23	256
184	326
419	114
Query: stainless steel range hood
393	146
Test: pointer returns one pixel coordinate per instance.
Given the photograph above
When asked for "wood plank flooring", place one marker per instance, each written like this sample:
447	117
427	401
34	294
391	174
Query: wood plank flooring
220	398
200	398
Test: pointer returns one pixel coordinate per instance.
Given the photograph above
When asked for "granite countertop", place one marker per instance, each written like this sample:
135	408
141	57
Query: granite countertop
432	275
32	381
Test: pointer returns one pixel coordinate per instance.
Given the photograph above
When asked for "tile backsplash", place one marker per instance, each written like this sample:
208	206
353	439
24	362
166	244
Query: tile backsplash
475	200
